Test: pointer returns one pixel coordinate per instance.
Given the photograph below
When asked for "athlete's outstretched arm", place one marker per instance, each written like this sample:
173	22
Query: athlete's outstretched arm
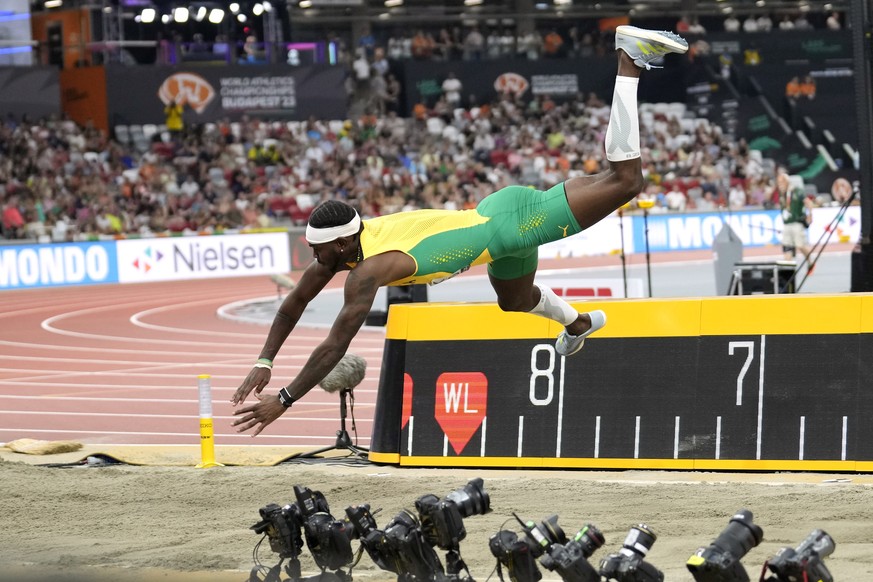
360	291
313	280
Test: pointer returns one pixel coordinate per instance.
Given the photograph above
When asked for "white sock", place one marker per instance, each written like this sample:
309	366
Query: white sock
623	131
554	308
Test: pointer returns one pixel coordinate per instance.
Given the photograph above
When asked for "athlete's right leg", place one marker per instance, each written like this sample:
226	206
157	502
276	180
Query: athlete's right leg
592	198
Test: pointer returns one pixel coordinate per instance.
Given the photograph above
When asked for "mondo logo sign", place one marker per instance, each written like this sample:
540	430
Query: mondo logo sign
202	257
52	265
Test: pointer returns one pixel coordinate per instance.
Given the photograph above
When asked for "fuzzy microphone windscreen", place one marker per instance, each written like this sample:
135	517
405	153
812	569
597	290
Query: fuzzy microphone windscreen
347	374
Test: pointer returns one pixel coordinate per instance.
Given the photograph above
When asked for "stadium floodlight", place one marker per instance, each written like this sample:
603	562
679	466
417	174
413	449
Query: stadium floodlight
234	7
148	15
241	17
258	9
267	6
200	14
53	3
180	14
216	15
165	18
305	4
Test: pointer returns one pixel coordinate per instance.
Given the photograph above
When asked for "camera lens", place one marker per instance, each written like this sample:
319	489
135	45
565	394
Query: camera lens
640	539
817	542
472	499
552	531
740	535
590	539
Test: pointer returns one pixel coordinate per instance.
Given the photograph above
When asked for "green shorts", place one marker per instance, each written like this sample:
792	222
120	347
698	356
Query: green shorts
523	219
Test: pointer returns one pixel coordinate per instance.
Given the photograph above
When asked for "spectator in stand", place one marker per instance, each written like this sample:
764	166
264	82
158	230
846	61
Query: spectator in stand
731	23
792	88
765	23
422	45
674	199
833	21
392	94
682	25
173	118
452	90
808	87
380	63
474	45
553	44
737	197
695	27
801	23
530	45
13	220
750	24
493	44
786	23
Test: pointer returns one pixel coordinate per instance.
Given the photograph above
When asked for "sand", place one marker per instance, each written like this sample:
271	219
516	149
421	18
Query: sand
142	523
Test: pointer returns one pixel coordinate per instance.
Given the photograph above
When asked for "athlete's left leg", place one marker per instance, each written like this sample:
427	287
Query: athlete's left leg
520	293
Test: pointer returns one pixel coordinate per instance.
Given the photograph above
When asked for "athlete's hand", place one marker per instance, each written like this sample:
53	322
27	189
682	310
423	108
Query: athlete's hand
259	415
257	380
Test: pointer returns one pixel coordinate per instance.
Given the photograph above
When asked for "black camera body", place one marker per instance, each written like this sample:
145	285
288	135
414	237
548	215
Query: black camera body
720	561
400	548
441	521
329	539
628	564
557	553
406	545
516	555
281	525
804	562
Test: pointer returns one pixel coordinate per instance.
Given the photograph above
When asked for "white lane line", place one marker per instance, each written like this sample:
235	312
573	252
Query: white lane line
173	434
192	417
49	324
73	385
289	344
240	363
137	320
72	398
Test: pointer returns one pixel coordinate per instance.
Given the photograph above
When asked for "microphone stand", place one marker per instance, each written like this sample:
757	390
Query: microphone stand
623	257
645	204
343	440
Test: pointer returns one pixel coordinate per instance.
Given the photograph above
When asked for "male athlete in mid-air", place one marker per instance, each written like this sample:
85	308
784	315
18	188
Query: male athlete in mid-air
505	231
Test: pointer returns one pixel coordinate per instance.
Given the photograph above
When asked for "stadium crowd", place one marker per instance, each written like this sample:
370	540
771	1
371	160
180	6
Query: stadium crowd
61	181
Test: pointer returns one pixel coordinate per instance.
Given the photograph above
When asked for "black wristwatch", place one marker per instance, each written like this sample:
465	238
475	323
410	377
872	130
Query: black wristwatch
285	398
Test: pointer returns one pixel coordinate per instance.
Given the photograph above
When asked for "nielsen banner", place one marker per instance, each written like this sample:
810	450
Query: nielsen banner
202	257
55	265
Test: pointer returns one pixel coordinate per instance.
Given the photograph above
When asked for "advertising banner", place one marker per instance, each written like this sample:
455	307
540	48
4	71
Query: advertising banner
202	257
689	232
28	266
603	238
560	79
138	95
31	91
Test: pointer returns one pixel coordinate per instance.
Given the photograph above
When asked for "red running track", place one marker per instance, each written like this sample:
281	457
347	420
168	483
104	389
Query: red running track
119	364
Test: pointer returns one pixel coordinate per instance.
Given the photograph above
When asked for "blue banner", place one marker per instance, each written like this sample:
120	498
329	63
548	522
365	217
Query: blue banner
54	265
689	232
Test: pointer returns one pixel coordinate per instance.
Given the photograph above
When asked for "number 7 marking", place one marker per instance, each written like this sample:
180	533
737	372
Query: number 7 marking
750	346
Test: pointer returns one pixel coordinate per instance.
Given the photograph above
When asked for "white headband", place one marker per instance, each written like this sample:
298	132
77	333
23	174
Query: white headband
322	235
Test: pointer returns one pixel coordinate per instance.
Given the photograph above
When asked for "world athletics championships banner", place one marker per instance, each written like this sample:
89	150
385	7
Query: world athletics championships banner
138	95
